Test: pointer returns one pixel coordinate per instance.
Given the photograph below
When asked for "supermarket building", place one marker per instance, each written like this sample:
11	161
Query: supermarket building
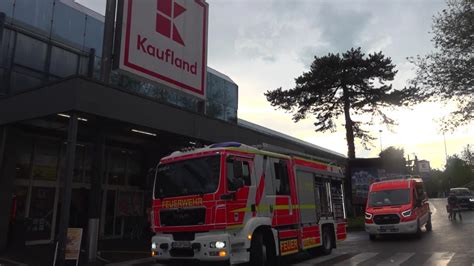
50	55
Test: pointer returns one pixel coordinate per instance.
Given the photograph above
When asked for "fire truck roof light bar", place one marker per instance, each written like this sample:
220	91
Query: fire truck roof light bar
226	144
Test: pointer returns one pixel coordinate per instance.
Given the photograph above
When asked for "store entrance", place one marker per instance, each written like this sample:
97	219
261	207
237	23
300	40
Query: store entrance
35	213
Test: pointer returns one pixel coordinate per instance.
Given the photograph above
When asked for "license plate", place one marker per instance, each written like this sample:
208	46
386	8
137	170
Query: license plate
387	227
181	244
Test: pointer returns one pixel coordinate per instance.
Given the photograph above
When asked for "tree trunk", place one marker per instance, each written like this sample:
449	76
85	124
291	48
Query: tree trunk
349	125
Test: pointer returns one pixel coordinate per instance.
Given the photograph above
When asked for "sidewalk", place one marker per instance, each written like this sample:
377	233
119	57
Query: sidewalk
110	251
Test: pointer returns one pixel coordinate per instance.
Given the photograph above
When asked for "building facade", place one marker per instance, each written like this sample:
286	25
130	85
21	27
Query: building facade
50	55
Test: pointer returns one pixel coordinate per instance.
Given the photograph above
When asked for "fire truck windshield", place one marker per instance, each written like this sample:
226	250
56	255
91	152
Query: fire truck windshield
389	197
188	177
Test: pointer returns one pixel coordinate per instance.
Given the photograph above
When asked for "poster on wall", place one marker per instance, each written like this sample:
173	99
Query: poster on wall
165	41
361	179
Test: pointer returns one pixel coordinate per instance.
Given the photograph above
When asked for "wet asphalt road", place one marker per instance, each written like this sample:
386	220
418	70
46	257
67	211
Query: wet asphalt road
450	243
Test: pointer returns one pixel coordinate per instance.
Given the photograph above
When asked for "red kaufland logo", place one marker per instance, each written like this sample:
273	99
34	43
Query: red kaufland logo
168	11
165	41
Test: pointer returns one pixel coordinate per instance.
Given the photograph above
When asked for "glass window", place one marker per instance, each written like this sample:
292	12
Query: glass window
389	197
94	35
97	64
63	63
88	165
188	177
36	13
41	214
6	6
6	46
231	114
130	203
134	170
19	205
117	163
68	24
231	94
281	177
21	82
420	191
30	52
24	149
45	160
214	109
84	65
238	173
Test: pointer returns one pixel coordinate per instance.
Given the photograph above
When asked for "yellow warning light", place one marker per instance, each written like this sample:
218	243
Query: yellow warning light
222	253
249	236
153	253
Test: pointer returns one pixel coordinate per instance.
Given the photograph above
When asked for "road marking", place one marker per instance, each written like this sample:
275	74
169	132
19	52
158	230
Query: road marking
321	259
397	259
439	259
358	258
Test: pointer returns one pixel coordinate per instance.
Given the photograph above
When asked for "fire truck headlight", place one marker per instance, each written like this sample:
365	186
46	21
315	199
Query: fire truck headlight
153	245
368	216
471	199
406	213
217	244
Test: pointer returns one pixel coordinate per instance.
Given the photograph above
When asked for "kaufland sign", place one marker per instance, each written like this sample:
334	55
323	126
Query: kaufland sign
166	41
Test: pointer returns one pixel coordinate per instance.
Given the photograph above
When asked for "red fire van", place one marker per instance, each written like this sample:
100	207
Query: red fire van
397	207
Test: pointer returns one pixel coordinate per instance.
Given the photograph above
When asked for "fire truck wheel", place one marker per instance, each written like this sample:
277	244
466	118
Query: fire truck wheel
326	248
261	251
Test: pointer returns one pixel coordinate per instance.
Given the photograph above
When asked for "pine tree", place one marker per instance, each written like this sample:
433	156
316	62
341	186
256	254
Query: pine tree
346	85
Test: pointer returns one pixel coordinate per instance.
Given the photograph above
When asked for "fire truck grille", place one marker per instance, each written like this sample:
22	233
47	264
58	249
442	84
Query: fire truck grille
178	217
386	219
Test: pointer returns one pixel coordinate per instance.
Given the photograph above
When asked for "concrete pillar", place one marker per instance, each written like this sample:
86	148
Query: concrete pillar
7	176
3	87
67	189
98	169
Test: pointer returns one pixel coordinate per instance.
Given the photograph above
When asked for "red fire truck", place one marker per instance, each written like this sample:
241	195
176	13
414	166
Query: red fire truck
235	203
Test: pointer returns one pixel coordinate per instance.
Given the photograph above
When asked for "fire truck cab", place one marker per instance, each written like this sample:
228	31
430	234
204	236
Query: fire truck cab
235	203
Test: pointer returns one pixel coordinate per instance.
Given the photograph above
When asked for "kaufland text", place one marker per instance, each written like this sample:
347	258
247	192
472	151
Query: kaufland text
166	55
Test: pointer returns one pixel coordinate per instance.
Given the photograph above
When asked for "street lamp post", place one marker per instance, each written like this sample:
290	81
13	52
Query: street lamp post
380	131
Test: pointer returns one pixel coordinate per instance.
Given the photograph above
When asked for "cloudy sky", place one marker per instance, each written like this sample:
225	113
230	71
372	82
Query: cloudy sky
265	44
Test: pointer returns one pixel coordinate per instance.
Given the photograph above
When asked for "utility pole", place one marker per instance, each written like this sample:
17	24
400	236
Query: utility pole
445	149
